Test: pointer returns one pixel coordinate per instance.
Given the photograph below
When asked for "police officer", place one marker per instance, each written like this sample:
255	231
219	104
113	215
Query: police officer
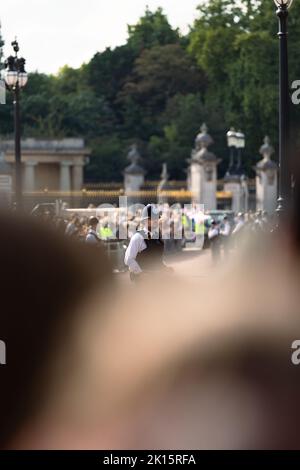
106	232
146	248
214	238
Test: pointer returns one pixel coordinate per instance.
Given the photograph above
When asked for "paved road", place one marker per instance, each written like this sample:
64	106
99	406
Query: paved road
191	263
188	264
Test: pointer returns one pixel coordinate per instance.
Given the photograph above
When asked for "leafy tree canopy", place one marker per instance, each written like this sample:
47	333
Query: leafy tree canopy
160	86
153	29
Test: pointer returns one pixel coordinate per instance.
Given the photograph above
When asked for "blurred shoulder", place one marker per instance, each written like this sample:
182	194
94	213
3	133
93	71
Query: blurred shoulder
137	236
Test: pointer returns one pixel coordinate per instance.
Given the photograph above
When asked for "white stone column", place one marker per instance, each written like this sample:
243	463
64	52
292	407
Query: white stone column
203	172
203	184
209	185
266	179
266	190
65	176
29	176
195	182
134	176
77	176
133	182
233	185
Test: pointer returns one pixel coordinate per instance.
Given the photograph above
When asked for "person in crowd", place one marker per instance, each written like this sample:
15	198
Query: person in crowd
83	372
72	228
257	225
106	232
59	224
265	222
239	229
215	242
172	230
44	279
46	216
240	224
145	251
225	231
92	235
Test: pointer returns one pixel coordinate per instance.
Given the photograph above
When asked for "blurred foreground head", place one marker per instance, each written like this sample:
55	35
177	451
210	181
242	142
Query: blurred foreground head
208	366
200	365
43	279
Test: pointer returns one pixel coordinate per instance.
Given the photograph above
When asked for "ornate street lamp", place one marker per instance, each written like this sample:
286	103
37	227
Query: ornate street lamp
232	144
284	164
283	3
16	78
236	142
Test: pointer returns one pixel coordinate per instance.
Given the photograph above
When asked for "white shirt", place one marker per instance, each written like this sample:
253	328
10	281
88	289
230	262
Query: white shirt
136	245
225	230
213	233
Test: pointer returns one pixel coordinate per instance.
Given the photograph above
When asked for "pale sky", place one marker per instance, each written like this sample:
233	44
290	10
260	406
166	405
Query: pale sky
53	33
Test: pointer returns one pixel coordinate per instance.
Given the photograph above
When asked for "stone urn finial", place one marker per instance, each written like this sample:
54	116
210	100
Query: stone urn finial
266	150
133	154
203	139
134	157
266	179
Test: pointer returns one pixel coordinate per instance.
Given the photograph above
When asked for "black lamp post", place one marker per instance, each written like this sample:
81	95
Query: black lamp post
284	164
15	79
236	142
241	143
232	144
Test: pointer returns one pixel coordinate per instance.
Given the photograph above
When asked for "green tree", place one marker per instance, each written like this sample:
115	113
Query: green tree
153	29
253	80
107	71
69	80
181	122
159	87
107	159
159	73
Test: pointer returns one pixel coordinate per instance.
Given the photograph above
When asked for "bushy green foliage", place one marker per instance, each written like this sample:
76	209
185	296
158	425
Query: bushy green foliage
159	87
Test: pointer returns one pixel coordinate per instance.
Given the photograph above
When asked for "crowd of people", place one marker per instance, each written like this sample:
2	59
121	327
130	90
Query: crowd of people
82	228
225	234
92	364
220	233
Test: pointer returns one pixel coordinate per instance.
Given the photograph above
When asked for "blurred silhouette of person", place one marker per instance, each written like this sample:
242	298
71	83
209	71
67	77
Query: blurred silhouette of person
158	371
220	376
44	276
225	232
240	224
145	251
92	236
72	228
215	242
